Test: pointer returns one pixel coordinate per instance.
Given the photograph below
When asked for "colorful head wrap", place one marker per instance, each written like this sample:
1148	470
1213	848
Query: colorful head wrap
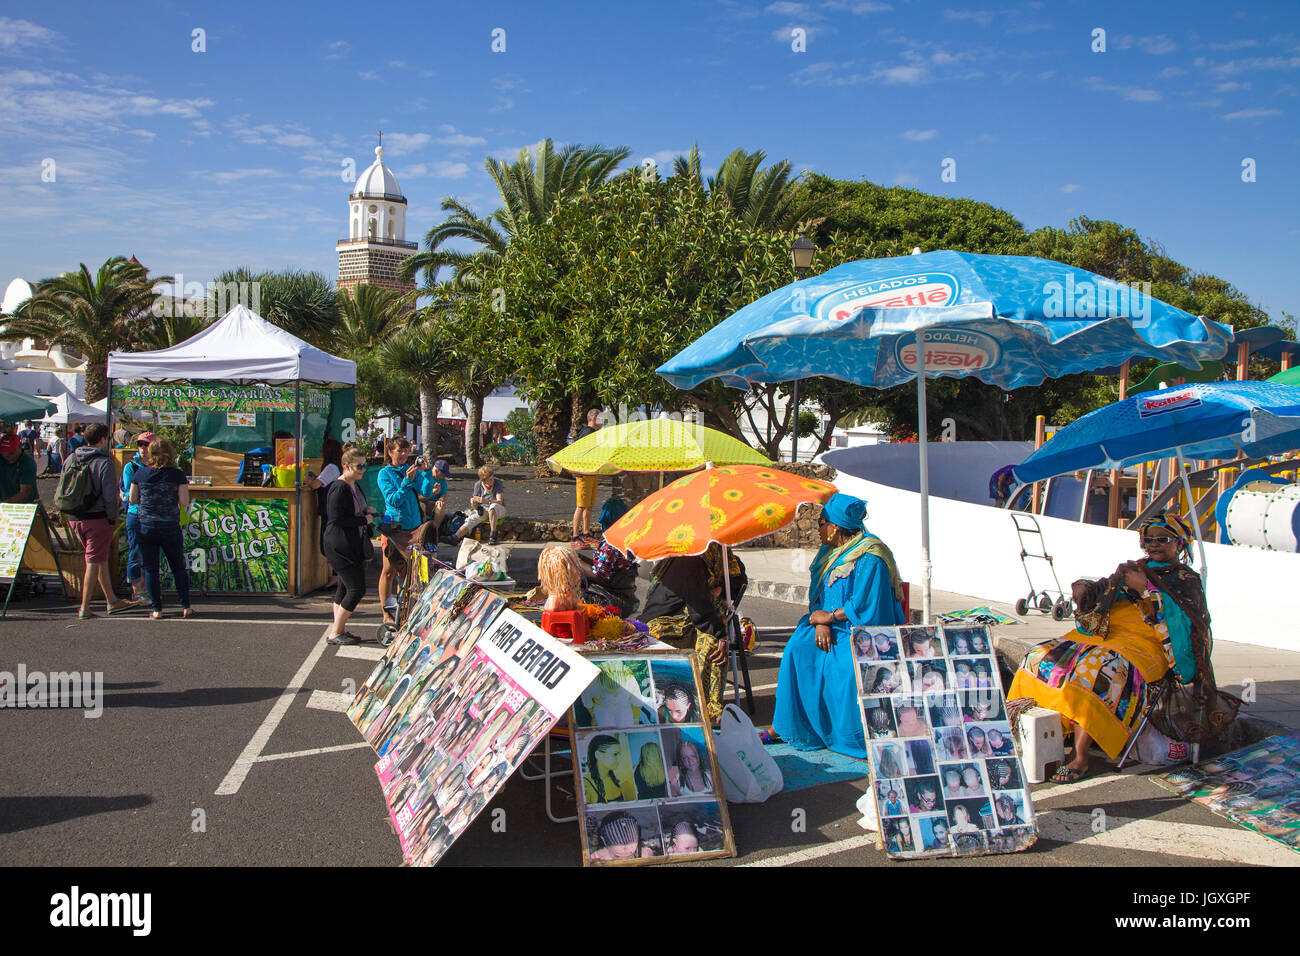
1176	525
845	511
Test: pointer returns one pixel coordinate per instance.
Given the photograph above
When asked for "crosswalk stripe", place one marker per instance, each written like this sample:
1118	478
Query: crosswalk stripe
329	700
1230	844
361	653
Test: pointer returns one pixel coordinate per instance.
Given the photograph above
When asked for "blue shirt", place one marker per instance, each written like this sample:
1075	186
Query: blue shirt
127	471
401	501
75	442
159	495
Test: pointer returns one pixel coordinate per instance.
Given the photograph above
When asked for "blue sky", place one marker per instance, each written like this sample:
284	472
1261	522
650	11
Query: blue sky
200	161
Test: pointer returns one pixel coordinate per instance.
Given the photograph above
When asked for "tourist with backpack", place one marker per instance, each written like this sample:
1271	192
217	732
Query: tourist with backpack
87	494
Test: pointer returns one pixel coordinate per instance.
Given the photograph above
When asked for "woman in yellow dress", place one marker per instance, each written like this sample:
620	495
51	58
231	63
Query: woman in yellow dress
1148	618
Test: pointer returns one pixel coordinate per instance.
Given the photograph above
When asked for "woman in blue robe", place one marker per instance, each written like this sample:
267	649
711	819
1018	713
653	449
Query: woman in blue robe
854	582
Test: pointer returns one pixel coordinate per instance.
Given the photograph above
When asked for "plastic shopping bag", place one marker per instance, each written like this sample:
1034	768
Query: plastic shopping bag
749	774
1158	750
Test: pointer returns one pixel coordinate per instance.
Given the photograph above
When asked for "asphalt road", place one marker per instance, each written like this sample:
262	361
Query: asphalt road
184	700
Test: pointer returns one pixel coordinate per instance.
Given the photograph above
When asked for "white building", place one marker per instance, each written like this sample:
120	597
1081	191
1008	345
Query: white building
376	244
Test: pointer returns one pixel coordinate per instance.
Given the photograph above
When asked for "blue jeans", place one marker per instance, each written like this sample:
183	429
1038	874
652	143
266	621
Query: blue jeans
167	539
134	564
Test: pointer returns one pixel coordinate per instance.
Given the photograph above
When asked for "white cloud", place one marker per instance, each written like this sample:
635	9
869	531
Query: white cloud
859	8
905	179
982	17
456	138
1071	188
920	135
1133	94
1254	113
235	175
1143	96
446	170
337	50
367	75
405	142
793	10
17	35
1231	86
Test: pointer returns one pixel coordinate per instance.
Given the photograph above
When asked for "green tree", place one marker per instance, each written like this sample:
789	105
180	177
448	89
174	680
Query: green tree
475	369
92	314
368	316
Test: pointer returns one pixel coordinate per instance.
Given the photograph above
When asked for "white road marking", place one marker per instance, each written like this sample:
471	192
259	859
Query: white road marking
235	620
253	749
329	700
361	653
817	852
313	751
1231	844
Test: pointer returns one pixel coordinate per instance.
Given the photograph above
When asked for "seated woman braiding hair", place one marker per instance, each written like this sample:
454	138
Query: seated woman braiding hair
1147	622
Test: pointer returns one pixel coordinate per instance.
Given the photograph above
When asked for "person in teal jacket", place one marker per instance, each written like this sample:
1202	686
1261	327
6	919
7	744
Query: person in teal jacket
134	561
402	486
854	582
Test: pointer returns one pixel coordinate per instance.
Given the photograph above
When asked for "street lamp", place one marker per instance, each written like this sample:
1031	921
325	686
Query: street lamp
802	251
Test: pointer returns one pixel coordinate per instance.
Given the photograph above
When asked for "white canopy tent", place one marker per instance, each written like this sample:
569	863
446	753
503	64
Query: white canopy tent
241	347
69	410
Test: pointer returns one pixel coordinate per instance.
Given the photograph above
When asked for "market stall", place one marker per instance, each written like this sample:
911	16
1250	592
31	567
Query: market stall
232	389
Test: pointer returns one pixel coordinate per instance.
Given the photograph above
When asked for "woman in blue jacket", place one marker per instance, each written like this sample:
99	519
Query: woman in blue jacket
134	561
402	485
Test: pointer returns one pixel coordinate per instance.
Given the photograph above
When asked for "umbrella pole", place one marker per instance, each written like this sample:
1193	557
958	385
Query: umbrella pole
731	612
1191	511
922	428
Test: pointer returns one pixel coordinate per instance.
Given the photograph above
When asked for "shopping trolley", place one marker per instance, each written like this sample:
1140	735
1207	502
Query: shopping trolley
1060	605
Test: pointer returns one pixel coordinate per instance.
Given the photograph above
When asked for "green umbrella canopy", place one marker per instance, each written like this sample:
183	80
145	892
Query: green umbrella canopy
1169	371
654	444
1290	377
15	406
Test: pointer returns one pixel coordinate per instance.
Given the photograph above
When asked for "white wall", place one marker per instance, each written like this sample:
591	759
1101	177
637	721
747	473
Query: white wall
959	470
1254	595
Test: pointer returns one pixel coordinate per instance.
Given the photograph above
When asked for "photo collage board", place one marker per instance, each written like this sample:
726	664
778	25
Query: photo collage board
465	692
945	773
645	765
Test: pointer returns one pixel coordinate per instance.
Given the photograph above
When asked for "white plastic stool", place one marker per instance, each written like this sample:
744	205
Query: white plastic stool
1041	742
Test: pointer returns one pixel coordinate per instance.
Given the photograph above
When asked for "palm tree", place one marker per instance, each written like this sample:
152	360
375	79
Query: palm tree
467	268
369	315
92	315
540	178
763	198
304	304
421	352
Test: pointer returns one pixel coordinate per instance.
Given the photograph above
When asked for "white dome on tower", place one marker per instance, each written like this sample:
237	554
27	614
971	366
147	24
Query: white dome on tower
377	181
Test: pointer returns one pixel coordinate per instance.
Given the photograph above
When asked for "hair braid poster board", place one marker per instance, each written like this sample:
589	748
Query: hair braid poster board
645	766
465	692
944	770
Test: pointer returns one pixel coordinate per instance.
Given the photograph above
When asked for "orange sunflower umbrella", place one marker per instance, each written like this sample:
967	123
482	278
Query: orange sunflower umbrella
728	505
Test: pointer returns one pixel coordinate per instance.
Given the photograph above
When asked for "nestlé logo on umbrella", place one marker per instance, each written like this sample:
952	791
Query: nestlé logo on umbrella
960	350
929	289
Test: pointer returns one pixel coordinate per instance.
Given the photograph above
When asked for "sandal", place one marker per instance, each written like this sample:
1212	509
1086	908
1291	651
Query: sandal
118	607
1067	774
188	612
155	615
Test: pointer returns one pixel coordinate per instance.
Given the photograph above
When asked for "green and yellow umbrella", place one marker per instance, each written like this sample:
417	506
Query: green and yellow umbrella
655	444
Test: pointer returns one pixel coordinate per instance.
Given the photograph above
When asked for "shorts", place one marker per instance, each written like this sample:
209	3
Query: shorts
394	543
96	536
587	490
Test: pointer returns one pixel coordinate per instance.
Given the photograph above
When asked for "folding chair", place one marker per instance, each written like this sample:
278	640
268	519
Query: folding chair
547	774
1152	702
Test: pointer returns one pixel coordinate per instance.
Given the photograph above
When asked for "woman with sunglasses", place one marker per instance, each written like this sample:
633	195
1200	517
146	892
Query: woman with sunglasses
854	582
347	518
1146	620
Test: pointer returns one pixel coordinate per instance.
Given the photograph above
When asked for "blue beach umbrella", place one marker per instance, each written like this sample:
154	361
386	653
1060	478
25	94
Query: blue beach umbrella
1006	320
1208	420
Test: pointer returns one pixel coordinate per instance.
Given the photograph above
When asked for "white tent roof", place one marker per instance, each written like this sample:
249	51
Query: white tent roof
242	347
72	411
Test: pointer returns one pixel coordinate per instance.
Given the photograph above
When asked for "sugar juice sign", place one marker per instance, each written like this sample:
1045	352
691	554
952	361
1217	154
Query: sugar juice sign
239	544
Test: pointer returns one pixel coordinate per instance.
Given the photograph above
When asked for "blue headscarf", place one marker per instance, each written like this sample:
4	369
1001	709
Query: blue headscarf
845	511
613	509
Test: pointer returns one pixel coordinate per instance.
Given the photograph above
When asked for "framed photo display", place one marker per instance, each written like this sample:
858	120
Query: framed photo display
645	765
945	774
463	695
